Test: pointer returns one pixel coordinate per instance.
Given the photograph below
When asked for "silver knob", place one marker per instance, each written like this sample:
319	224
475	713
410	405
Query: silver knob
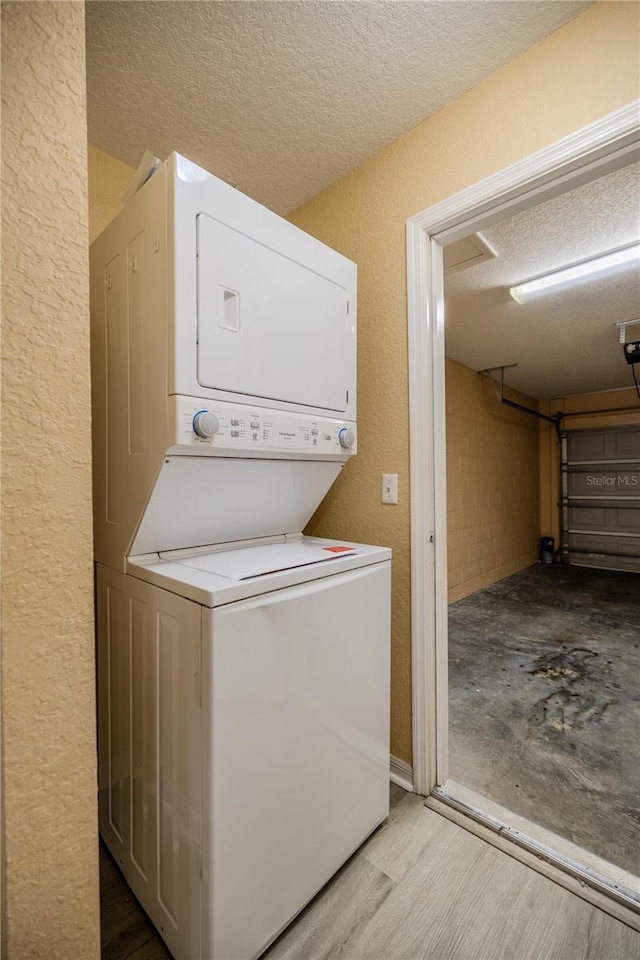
346	437
205	424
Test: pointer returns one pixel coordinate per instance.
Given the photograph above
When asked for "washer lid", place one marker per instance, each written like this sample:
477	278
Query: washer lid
299	561
259	561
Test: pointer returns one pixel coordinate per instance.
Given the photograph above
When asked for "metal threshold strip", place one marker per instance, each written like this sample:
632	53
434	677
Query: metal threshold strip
584	874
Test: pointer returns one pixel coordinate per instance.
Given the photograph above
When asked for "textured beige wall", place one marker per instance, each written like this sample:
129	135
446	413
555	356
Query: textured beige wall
48	704
109	180
549	452
582	72
493	474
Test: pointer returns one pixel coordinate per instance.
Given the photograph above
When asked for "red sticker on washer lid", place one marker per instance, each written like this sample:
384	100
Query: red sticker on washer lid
338	549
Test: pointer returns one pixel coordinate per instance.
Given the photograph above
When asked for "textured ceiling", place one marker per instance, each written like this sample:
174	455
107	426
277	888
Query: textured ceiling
563	343
283	98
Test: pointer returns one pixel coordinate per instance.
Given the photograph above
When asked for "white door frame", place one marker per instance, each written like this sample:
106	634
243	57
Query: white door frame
597	149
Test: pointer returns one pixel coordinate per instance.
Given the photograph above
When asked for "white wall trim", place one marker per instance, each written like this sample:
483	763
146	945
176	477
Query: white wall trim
400	773
589	153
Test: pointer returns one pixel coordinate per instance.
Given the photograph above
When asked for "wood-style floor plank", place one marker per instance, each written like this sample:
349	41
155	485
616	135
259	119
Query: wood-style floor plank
340	911
421	888
153	949
125	930
396	794
465	900
400	842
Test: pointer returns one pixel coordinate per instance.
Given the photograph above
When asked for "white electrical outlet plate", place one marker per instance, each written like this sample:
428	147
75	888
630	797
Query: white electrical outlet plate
389	488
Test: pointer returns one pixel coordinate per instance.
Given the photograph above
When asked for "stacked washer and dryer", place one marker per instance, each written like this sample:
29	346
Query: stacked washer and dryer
243	667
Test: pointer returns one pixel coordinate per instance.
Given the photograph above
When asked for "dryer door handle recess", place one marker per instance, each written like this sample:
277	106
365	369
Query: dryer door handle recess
228	314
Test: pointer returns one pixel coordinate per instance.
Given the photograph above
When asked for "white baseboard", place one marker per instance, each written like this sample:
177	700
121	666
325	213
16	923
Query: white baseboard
401	773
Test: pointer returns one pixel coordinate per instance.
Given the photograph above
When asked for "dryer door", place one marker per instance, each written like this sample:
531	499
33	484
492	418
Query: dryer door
268	327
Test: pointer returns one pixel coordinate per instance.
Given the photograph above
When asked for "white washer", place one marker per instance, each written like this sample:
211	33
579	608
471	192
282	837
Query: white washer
245	732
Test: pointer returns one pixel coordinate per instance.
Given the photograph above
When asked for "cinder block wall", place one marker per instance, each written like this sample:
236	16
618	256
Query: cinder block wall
493	473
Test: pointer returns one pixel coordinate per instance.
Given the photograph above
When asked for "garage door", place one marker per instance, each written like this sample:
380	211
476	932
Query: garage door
601	498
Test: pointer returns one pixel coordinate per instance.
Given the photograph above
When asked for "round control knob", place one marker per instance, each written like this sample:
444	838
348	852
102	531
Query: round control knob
205	424
346	437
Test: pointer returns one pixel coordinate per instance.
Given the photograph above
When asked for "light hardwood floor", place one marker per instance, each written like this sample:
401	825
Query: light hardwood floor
421	888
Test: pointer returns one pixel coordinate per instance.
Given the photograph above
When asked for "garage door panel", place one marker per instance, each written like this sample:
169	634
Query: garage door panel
614	553
601	498
587	446
620	481
614	443
627	443
588	518
624	518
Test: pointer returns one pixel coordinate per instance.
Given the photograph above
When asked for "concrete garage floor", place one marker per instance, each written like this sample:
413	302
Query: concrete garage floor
544	682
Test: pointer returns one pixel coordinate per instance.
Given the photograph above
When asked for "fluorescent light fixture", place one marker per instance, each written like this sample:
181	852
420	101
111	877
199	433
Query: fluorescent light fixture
602	265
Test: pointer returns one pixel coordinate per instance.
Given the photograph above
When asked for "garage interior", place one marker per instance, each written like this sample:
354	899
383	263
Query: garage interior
544	657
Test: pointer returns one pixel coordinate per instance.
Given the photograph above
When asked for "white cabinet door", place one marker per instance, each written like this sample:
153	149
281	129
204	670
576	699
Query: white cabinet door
296	709
268	326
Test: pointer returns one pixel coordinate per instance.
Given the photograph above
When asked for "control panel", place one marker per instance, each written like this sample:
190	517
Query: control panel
228	429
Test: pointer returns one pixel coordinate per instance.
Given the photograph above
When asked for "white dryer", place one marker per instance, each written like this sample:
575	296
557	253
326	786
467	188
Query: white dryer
243	667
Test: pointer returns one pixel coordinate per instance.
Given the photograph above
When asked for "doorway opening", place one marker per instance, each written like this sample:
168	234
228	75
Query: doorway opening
494	672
